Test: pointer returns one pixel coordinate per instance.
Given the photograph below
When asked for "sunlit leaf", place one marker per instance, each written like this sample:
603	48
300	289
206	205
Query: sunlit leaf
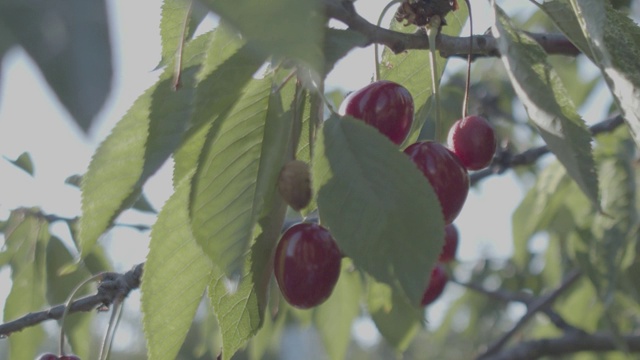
23	162
179	20
69	41
136	148
288	28
547	103
28	237
562	15
335	316
379	207
614	40
176	275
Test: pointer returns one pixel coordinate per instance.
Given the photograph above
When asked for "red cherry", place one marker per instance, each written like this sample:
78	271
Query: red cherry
437	283
68	357
473	140
385	105
450	244
307	265
48	356
445	172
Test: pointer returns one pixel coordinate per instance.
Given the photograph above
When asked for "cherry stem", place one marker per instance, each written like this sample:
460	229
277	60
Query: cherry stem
465	102
67	306
432	34
375	45
107	342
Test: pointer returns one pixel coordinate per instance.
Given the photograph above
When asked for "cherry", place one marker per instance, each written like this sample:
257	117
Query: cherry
307	265
450	244
385	105
437	282
473	140
445	172
68	357
48	356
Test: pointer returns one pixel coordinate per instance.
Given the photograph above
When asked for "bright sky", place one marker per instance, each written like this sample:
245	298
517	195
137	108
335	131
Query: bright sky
31	120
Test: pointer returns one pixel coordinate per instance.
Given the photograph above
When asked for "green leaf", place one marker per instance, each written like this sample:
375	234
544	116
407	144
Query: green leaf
179	20
289	28
379	207
549	108
228	67
335	316
614	40
412	70
28	238
59	287
175	277
143	205
397	320
564	18
69	41
225	203
136	148
23	162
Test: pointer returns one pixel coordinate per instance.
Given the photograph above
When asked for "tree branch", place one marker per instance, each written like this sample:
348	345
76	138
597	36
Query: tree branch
483	45
503	163
113	286
536	306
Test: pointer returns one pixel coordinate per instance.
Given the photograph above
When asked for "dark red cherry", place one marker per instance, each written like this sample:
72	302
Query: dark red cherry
68	357
473	140
445	172
307	265
436	286
385	105
48	356
450	244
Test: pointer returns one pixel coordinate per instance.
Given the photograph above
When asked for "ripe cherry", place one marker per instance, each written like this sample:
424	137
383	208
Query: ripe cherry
436	286
445	172
307	265
385	105
450	244
473	140
48	356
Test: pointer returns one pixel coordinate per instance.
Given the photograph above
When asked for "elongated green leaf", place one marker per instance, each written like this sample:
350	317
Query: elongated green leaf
224	205
136	148
335	316
69	41
614	40
379	207
176	275
59	287
412	70
179	20
289	28
23	162
28	237
562	15
397	321
547	103
228	67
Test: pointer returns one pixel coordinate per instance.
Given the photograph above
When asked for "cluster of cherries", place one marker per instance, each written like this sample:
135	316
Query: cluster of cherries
50	356
307	259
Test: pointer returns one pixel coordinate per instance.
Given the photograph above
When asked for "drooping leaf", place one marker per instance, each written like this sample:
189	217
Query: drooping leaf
379	207
23	162
179	20
412	70
397	320
175	277
614	40
136	148
69	41
28	238
335	316
288	28
228	67
224	201
547	103
59	287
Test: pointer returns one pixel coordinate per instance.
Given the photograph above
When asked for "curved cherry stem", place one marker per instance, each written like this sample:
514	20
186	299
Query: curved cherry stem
107	342
432	33
67	306
376	45
465	102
